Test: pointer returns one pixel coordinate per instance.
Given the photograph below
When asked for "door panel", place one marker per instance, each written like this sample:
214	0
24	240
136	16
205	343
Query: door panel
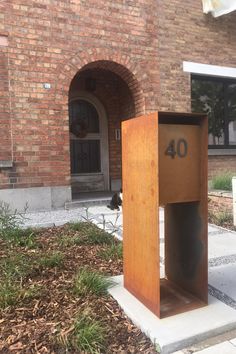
85	156
88	146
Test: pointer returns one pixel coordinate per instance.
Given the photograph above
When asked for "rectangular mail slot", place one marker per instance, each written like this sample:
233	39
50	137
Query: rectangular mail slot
164	163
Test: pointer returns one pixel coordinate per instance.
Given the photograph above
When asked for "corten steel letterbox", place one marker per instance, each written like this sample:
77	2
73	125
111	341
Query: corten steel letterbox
164	161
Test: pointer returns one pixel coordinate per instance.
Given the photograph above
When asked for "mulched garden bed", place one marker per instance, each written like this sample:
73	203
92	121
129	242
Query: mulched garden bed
38	302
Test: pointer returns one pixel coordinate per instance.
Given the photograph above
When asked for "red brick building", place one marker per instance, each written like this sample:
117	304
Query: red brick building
72	70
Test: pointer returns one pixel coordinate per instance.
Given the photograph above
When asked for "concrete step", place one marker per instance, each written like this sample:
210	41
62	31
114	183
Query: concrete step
87	203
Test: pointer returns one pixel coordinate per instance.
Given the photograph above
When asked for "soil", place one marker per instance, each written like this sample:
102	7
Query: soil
43	322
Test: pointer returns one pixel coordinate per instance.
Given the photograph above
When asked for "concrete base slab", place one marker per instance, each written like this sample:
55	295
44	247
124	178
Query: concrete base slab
221	244
179	331
223	279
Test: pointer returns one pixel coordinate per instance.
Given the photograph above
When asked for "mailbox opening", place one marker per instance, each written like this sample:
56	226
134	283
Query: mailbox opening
184	253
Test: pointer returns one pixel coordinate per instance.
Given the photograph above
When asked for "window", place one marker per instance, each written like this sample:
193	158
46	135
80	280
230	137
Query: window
81	110
217	98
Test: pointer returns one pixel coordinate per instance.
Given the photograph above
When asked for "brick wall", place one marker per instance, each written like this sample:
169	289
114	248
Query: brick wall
142	42
49	42
186	34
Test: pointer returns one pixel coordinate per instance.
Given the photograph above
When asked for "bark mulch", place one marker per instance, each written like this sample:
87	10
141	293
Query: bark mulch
40	317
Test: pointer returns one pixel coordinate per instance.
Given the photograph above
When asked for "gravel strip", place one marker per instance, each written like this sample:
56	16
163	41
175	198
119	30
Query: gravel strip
100	216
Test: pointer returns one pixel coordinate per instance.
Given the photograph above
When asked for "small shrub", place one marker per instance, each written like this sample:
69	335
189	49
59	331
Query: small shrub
50	261
87	281
112	252
223	182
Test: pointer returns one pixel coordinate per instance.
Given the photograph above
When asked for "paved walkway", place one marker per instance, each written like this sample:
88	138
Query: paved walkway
222	258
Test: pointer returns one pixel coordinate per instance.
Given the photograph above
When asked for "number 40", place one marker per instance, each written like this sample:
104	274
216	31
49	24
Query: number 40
179	148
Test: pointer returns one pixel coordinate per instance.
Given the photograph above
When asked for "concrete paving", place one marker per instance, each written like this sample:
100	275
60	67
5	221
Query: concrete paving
184	330
179	331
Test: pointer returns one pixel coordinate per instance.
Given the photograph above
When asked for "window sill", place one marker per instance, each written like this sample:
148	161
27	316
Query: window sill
221	152
6	163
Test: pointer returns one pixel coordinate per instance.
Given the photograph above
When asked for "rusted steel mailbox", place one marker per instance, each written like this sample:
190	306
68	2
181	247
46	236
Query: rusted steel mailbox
164	159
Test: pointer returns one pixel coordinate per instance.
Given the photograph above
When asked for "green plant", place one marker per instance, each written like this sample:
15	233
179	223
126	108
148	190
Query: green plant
15	266
9	293
79	226
222	182
67	241
9	219
113	251
22	238
12	292
224	218
90	234
11	231
53	260
221	218
86	335
97	236
87	281
33	292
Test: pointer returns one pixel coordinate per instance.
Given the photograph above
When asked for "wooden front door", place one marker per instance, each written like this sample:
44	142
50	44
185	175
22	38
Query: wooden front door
88	156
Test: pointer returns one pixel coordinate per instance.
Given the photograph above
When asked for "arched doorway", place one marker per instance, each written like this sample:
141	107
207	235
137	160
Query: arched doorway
111	90
88	144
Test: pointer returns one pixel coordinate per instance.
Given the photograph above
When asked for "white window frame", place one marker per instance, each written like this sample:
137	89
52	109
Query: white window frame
209	70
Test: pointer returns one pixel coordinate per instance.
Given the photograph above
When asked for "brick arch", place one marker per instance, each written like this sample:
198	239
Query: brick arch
131	73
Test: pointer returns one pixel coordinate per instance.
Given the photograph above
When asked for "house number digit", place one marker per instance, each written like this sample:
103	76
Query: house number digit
170	151
180	149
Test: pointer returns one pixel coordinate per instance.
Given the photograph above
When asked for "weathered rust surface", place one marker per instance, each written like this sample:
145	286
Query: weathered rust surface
140	209
175	300
176	177
179	176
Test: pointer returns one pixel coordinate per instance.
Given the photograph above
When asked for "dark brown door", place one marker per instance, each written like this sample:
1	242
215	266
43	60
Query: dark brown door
85	146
